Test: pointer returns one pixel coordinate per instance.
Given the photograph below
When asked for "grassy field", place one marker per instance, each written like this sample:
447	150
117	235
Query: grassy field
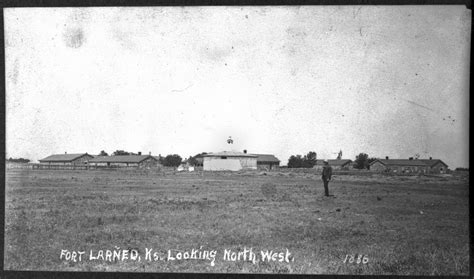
404	225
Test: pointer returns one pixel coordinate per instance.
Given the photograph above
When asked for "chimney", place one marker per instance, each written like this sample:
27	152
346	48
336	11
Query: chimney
139	153
431	158
65	152
245	151
386	157
410	158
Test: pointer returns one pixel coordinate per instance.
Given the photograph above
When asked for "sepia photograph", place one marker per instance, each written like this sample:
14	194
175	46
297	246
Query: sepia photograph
238	139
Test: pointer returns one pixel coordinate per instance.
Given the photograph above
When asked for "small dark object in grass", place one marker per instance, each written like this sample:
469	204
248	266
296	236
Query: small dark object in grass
204	199
338	210
379	198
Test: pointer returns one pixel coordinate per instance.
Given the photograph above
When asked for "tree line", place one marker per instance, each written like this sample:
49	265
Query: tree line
18	160
309	160
171	160
306	161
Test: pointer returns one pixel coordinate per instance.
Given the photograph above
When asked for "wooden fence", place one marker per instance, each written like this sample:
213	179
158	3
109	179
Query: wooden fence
86	167
18	166
59	167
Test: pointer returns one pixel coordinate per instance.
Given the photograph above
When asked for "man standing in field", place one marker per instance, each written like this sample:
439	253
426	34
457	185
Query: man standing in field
327	173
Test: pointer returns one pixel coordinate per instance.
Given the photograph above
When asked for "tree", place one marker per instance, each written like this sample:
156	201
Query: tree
306	161
172	160
461	169
192	161
197	159
309	160
103	153
295	161
18	160
122	153
361	161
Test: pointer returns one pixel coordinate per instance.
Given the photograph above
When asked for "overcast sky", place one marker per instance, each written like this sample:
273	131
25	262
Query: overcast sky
387	81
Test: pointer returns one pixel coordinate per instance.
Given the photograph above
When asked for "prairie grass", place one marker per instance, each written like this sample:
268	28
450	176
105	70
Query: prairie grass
405	225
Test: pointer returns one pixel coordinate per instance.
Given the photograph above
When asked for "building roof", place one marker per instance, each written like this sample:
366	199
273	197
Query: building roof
200	155
432	162
402	162
229	154
408	162
121	159
267	158
63	157
334	162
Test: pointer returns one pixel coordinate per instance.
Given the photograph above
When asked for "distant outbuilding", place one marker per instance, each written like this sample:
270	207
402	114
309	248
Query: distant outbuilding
267	161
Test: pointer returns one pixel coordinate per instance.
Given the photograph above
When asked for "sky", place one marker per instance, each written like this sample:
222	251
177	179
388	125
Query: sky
383	80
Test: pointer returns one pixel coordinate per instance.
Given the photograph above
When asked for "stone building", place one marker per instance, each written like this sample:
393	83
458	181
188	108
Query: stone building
66	159
229	160
409	165
138	161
